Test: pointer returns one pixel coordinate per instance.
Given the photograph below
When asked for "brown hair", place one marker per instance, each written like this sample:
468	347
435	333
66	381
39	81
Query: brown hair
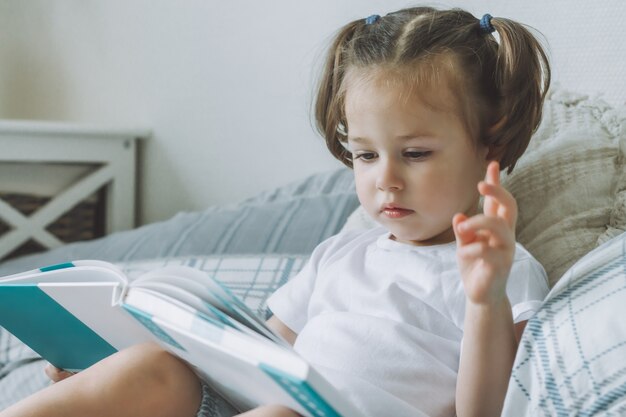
499	85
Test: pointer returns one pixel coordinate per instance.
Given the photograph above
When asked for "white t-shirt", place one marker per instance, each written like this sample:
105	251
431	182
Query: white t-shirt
383	320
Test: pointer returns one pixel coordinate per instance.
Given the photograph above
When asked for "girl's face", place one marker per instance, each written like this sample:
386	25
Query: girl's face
415	166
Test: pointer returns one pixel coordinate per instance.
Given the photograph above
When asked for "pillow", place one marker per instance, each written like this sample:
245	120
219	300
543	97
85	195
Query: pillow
570	185
570	360
290	219
359	220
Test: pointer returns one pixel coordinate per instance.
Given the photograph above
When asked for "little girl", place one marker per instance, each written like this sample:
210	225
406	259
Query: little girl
421	316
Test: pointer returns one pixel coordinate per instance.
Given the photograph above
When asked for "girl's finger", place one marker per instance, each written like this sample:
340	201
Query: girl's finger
493	173
52	372
56	374
492	176
472	250
502	205
496	229
462	236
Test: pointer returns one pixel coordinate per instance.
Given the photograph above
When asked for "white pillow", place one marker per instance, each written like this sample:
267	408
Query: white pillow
570	185
570	360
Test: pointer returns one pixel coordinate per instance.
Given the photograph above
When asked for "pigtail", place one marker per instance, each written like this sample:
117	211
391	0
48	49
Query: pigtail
522	77
329	113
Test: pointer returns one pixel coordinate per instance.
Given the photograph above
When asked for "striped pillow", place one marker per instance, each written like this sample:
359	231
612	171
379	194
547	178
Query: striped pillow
571	357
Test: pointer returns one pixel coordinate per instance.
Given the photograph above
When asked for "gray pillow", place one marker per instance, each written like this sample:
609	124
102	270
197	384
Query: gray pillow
288	220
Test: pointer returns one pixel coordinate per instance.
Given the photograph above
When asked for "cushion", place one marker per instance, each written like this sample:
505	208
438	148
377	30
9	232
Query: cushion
570	185
290	219
570	359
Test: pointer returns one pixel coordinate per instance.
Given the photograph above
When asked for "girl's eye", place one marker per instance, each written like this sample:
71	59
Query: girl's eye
417	154
365	156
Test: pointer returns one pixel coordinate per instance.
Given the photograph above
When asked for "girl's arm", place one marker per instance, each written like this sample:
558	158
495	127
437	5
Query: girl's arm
281	328
489	347
485	251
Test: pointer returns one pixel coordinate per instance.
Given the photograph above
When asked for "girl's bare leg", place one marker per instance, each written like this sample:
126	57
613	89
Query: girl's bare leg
270	411
140	381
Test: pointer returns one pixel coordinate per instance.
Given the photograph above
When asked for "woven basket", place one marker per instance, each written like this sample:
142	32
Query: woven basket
84	221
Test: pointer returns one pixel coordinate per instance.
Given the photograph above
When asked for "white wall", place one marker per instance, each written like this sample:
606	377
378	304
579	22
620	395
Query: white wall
224	85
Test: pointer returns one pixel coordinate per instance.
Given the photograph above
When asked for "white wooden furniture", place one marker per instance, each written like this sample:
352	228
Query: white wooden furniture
111	151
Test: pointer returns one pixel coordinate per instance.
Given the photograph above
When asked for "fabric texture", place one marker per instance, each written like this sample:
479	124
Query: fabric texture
570	184
213	405
380	315
571	356
21	370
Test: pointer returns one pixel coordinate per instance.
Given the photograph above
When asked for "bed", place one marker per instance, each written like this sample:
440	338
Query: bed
575	163
571	190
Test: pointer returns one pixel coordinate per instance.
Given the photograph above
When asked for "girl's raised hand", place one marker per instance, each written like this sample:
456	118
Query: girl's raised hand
486	242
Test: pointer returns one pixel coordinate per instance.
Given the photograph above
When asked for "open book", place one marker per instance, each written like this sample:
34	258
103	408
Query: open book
75	314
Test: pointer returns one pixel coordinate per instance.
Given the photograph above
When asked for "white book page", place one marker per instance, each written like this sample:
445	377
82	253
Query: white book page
215	293
172	292
183	299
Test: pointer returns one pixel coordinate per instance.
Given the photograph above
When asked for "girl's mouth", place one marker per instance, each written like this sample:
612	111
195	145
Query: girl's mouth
395	212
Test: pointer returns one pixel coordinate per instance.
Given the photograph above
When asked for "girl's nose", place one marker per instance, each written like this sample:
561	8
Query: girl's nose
389	177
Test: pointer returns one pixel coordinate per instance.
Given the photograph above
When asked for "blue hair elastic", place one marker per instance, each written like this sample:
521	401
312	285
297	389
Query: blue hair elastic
372	19
485	25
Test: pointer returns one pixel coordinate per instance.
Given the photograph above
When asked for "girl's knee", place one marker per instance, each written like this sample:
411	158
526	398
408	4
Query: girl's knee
146	358
158	367
270	411
161	379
